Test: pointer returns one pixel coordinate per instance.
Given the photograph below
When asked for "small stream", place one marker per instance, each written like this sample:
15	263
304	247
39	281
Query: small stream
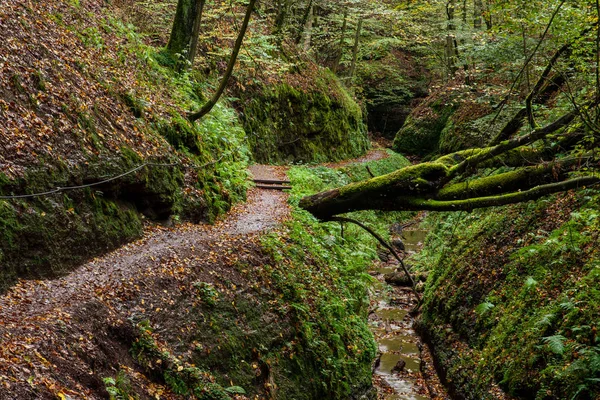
399	373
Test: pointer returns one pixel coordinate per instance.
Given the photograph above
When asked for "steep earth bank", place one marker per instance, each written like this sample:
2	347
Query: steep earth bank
86	100
512	300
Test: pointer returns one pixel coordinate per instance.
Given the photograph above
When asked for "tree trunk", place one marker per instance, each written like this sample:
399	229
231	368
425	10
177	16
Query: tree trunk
450	11
304	21
434	186
309	27
487	15
477	14
185	26
283	9
355	49
196	32
232	60
338	59
451	47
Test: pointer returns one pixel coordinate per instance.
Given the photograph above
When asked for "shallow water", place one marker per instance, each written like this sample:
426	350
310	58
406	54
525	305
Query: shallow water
392	326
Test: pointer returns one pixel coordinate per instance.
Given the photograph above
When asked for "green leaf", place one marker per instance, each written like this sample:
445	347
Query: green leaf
235	390
483	308
530	282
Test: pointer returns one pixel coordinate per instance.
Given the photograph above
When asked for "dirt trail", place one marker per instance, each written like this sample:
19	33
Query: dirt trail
376	153
36	316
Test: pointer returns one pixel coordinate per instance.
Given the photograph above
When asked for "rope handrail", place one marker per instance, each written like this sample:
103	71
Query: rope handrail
61	189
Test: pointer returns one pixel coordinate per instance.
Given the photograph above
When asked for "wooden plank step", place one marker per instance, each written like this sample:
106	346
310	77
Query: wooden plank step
272	181
274	187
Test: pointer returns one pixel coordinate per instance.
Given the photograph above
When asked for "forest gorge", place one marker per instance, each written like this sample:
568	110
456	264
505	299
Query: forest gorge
276	199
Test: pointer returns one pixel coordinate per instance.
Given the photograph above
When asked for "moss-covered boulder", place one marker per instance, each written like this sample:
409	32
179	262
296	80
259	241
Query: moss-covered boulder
451	120
474	124
423	128
317	122
466	128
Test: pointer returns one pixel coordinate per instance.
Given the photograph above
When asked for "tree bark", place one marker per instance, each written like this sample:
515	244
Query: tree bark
304	21
441	185
232	60
338	59
283	8
477	14
308	28
355	49
186	26
487	15
196	32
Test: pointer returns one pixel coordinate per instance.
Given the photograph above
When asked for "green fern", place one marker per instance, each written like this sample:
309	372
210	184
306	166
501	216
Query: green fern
484	308
546	321
555	343
530	282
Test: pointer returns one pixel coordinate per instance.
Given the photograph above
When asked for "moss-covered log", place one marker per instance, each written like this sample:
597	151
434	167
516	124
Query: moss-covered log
382	193
444	185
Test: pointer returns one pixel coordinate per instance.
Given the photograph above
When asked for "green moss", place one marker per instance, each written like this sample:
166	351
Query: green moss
182	379
513	299
420	135
288	124
45	237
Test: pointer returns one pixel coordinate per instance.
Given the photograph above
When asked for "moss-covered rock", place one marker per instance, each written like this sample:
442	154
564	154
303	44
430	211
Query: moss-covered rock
423	128
473	125
288	123
450	120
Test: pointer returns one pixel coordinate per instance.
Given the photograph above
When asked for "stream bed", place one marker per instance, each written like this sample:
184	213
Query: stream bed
404	369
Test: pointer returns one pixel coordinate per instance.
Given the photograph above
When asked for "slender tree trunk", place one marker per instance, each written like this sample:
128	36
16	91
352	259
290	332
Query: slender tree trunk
525	54
450	13
309	27
355	49
283	9
185	26
304	21
232	60
338	59
451	47
196	32
487	15
477	14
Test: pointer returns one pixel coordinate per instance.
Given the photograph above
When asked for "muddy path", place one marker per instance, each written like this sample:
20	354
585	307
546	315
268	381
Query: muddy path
375	154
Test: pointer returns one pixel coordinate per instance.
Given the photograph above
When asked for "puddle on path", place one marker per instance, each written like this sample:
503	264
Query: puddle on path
398	374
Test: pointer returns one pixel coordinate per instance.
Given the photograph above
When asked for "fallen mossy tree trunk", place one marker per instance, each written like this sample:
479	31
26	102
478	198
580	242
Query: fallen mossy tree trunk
450	183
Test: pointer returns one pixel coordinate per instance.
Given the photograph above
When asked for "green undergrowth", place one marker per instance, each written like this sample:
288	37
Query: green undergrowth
182	378
323	279
320	123
513	298
148	100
